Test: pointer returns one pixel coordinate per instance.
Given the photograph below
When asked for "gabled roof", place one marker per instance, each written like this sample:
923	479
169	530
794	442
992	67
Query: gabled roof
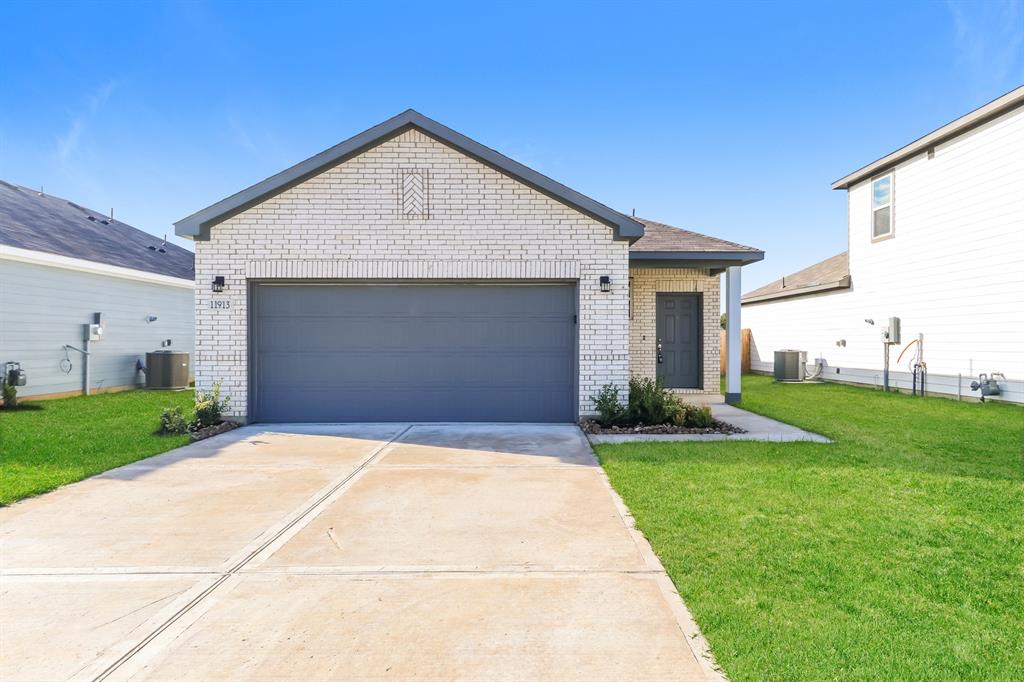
831	273
39	222
197	225
994	109
663	242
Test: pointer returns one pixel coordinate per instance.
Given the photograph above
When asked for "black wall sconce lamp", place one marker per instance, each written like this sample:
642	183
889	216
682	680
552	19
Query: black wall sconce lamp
218	284
606	283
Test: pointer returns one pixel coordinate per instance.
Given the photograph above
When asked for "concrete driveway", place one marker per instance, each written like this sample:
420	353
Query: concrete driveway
343	551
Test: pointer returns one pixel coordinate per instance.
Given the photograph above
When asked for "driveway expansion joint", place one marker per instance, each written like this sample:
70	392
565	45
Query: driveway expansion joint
236	568
518	520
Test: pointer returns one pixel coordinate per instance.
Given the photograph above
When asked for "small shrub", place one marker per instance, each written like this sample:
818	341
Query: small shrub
172	420
610	410
699	417
650	402
210	407
679	412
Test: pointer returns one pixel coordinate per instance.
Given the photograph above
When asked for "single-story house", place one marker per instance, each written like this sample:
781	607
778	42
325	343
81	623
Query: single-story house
935	238
61	264
410	273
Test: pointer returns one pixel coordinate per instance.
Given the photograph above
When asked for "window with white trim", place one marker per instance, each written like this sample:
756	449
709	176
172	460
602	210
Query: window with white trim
881	207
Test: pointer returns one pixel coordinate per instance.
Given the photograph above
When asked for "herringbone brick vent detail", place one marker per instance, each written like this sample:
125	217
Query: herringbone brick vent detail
414	195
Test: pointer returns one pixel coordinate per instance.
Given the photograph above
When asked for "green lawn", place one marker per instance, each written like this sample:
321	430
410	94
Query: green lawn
895	553
62	441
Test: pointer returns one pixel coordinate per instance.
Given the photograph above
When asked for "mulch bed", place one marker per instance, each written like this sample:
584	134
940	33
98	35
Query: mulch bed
591	426
208	431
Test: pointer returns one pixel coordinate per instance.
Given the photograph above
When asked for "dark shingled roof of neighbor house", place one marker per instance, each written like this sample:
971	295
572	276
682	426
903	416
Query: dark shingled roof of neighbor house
830	274
40	222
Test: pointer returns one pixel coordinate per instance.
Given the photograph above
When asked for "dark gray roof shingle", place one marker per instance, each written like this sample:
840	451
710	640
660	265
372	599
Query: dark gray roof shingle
831	273
40	222
662	237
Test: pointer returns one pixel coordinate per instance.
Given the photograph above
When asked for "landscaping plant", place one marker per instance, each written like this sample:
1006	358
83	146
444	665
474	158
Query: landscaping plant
210	407
610	410
699	417
172	421
650	402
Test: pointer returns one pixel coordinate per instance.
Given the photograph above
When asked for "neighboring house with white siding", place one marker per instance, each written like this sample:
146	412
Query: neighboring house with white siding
936	238
60	264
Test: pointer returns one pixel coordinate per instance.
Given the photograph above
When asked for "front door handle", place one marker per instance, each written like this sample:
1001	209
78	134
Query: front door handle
661	358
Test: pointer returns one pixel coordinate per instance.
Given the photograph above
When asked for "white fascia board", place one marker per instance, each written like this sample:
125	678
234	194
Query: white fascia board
52	260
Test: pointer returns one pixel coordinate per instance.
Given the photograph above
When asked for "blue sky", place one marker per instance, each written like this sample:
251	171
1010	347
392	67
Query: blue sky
726	118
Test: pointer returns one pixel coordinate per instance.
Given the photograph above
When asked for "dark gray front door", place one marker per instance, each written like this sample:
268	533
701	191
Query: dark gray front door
679	331
401	352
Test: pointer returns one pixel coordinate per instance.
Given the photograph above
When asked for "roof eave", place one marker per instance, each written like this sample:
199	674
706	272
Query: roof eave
843	283
695	259
980	116
197	226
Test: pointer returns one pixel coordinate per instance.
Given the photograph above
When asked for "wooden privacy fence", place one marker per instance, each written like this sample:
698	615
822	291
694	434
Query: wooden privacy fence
744	350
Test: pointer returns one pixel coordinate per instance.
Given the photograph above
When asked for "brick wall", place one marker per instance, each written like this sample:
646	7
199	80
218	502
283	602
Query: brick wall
410	208
645	284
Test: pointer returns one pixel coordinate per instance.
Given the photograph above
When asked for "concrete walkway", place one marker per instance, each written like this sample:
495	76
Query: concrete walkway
756	426
388	551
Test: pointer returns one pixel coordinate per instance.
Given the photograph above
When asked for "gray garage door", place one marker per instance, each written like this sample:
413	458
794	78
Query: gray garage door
338	353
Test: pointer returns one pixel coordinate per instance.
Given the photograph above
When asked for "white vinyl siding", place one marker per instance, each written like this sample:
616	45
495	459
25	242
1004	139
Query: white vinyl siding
955	274
45	307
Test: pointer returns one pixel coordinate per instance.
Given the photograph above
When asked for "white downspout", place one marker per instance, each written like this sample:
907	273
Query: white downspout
732	334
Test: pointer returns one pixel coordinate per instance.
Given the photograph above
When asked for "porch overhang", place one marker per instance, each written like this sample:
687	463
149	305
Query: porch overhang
716	261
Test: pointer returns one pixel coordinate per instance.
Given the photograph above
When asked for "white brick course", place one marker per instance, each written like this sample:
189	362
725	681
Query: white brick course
349	223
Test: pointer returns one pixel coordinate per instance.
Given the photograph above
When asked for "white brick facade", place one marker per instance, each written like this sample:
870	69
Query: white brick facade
644	285
358	220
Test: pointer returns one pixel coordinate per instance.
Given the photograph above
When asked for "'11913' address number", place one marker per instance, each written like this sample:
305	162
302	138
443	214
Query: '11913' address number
220	305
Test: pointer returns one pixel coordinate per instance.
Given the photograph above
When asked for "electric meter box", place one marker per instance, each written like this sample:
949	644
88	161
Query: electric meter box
893	332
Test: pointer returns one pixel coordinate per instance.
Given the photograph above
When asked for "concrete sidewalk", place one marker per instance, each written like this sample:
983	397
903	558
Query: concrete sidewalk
381	551
757	428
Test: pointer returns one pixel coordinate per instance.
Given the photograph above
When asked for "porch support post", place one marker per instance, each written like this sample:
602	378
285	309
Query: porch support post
732	334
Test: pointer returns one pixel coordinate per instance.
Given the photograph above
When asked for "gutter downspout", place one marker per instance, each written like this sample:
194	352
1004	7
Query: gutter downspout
732	335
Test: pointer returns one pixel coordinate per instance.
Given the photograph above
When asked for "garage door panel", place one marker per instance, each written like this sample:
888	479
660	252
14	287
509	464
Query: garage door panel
465	404
330	332
452	300
414	353
361	368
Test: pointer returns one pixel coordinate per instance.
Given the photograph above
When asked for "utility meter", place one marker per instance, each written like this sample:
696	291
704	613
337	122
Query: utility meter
894	330
14	375
891	334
